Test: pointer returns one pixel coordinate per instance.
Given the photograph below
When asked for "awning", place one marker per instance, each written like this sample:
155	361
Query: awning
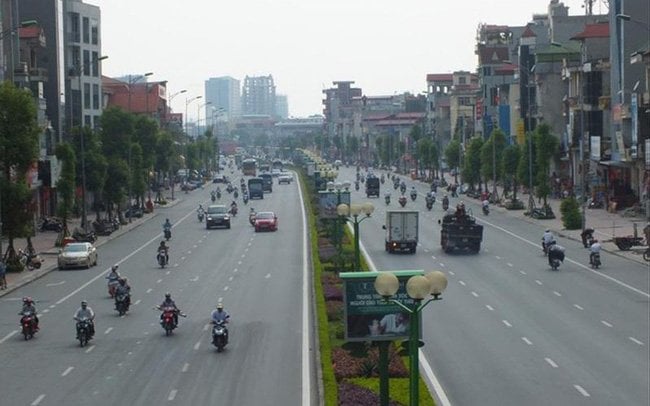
620	164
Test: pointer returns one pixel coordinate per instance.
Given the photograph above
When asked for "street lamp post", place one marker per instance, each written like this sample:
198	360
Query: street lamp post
84	216
354	210
198	117
339	188
132	80
187	103
417	287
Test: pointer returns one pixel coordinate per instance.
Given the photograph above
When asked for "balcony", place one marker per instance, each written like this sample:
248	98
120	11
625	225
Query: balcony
38	75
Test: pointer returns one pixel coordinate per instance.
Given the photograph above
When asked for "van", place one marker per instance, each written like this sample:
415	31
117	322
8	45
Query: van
268	182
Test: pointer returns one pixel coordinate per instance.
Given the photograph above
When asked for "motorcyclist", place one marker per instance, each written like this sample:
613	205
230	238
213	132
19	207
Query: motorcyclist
460	210
594	250
163	249
169	302
167	227
547	238
413	191
113	277
555	252
29	307
387	197
445	202
219	314
85	312
123	289
356	185
200	210
486	205
233	207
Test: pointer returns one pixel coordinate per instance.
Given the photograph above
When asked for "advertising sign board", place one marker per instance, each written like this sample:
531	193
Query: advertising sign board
328	200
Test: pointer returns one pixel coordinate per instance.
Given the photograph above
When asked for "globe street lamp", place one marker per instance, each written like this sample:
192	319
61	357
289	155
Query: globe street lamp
339	188
418	287
187	103
198	117
354	210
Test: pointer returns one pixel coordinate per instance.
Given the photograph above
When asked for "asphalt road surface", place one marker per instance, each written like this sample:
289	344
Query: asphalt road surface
509	330
258	276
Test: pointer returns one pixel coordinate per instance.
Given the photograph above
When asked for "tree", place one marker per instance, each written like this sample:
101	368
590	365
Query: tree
523	169
491	154
452	155
18	151
546	146
66	183
472	164
510	162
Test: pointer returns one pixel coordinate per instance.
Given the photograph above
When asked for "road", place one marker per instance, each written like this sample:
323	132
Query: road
510	331
258	276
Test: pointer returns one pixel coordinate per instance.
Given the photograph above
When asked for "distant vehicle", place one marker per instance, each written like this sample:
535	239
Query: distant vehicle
277	164
217	215
338	163
460	233
256	188
265	168
372	186
266	220
285	178
220	179
77	254
249	167
401	231
275	172
268	182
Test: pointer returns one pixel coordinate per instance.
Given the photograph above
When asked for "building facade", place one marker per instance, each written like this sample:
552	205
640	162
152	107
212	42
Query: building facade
258	96
224	94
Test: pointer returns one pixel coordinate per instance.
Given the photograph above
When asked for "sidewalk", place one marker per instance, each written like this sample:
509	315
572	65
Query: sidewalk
606	225
44	245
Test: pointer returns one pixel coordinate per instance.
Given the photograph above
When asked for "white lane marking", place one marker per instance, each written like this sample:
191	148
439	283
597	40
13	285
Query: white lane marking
437	387
243	255
507	323
55	284
497	257
89	349
606	323
462	283
206	327
189	252
442	265
490	307
246	249
579	264
159	280
185	367
474	294
235	270
578	307
225	288
52	306
268	275
527	341
38	399
451	273
426	250
46	310
137	302
67	371
220	299
537	281
194	246
250	243
149	290
182	258
168	272
522	272
194	279
175	265
550	362
8	336
197	345
433	257
634	340
306	294
172	395
510	265
556	293
238	262
582	391
108	330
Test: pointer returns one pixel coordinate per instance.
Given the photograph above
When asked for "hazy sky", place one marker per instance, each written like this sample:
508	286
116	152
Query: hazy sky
386	47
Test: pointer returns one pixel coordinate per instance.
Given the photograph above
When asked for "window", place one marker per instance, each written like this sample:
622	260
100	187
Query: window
87	63
86	30
74	27
96	97
94	31
87	122
95	64
75	59
86	95
462	80
96	121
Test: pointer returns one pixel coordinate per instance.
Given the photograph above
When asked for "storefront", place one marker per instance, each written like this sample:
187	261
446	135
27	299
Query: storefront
619	183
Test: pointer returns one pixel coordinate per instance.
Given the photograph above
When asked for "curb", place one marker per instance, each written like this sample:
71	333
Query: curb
46	271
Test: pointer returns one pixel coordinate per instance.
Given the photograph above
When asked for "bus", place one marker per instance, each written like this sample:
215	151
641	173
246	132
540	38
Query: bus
256	188
265	168
249	167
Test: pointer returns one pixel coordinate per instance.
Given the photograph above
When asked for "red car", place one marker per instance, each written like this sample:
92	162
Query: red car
266	220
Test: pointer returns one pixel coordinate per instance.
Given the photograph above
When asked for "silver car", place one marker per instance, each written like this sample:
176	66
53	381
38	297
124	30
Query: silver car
77	254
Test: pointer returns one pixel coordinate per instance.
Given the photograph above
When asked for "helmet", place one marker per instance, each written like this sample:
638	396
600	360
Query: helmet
114	267
168	295
84	303
595	240
219	305
167	220
548	231
26	299
122	281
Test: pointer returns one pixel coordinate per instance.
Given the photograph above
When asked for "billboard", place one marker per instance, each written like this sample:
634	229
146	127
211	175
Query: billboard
329	200
367	316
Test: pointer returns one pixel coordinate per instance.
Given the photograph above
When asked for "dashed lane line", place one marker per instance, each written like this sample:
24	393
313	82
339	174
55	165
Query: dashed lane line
8	336
507	323
474	294
137	302
582	391
108	330
149	290
268	275
38	400
197	345
490	308
225	288
537	281
550	362
172	395
556	293
634	340
605	322
462	283
67	371
526	340
89	349
185	367
578	307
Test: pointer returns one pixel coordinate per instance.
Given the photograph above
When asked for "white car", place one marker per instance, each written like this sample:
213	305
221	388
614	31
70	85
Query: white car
77	254
285	178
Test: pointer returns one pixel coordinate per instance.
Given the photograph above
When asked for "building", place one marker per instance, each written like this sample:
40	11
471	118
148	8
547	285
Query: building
339	115
224	96
299	127
258	96
282	106
462	104
148	98
438	120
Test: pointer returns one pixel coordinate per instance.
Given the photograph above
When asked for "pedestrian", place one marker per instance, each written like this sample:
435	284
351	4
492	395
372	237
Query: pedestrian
3	274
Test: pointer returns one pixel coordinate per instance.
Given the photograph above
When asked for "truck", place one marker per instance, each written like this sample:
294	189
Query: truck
372	186
460	233
401	230
256	188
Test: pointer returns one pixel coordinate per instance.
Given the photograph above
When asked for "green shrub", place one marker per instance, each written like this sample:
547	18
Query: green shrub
571	218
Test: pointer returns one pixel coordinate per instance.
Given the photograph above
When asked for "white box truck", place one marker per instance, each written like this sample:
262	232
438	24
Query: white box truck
401	231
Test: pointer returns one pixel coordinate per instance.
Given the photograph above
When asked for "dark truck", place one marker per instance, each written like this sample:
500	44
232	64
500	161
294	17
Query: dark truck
460	232
256	188
372	186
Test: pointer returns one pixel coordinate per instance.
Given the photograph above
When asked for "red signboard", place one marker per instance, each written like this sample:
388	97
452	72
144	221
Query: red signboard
479	109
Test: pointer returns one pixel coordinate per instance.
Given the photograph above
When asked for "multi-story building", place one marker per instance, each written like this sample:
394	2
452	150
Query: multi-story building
339	114
281	106
224	95
462	104
438	122
149	98
258	95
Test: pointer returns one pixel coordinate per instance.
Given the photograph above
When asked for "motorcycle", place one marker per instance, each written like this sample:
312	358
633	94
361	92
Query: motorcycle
235	194
233	211
395	185
168	234
587	237
50	224
445	203
594	260
402	200
213	197
555	257
382	179
356	185
545	247
84	236
199	215
83	331
402	188
162	259
29	261
112	285
219	195
486	210
167	320
220	335
387	199
429	203
245	198
414	195
122	304
28	323
251	217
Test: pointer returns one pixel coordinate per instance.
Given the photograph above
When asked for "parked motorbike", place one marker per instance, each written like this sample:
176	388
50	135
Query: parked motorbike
646	254
402	200
122	303
50	224
84	236
220	335
83	331
103	227
29	260
594	260
28	323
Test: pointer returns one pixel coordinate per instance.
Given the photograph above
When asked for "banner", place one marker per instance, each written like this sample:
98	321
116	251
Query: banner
329	200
